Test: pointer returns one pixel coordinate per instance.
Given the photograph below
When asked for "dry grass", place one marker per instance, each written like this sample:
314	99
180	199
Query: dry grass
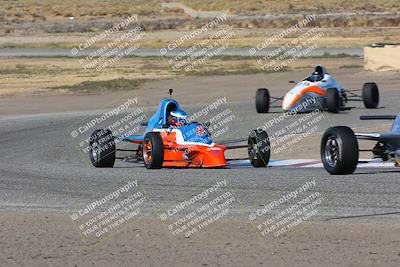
292	6
49	9
27	23
66	75
240	41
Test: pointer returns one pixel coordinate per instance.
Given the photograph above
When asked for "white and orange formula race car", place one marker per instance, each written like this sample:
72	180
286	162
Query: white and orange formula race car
318	91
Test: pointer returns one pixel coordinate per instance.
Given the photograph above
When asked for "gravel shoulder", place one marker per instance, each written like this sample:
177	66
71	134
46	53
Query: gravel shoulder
51	240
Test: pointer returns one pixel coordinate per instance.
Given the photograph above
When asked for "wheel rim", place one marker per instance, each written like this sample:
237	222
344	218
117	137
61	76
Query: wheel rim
332	152
96	152
253	150
147	149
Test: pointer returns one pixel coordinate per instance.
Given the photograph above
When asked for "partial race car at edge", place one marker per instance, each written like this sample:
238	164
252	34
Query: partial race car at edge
340	150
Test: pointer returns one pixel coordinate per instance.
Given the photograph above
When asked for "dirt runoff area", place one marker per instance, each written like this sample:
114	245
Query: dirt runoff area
239	87
52	240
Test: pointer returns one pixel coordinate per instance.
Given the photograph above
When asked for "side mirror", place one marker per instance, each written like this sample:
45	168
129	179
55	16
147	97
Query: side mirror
292	82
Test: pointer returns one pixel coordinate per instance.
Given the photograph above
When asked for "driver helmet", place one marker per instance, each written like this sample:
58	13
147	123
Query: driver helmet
177	118
319	73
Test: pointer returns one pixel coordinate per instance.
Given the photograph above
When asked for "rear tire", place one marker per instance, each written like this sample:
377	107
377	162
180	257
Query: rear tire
333	100
370	95
102	148
153	151
262	100
259	148
339	150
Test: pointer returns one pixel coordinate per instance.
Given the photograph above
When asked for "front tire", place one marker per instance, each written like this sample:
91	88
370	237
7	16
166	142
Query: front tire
370	95
259	148
153	151
102	148
333	100
262	100
339	150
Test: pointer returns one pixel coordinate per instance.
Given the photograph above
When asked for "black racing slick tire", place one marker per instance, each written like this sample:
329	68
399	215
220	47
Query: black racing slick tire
370	95
153	151
333	100
262	100
102	148
339	150
259	148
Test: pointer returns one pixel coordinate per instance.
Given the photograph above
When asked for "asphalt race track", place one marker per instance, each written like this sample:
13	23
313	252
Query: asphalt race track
42	170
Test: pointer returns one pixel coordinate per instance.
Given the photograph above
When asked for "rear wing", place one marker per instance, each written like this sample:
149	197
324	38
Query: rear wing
378	117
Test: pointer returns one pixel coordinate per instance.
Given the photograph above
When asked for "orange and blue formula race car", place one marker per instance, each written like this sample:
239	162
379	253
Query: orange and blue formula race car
171	140
340	150
319	91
